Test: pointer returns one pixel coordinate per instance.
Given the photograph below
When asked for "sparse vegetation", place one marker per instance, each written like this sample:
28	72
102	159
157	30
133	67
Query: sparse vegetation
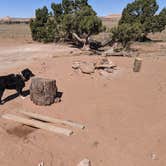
15	31
125	33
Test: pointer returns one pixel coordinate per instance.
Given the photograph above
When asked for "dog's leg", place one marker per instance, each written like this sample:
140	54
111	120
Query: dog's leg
1	94
19	90
22	97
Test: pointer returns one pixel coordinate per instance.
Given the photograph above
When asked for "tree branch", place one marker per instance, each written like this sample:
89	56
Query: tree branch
78	38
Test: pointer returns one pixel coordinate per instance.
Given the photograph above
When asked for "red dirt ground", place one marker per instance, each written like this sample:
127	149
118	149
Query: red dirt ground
124	116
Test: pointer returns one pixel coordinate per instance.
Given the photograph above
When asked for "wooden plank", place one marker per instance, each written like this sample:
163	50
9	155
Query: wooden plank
52	120
37	124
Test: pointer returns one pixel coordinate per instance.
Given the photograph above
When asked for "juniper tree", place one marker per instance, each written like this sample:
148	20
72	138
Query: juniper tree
69	19
38	25
144	12
139	18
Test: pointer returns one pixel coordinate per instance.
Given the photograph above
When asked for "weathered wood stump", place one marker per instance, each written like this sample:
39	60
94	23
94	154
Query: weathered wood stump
137	64
43	91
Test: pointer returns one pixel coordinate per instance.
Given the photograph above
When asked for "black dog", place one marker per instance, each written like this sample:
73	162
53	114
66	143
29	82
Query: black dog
14	81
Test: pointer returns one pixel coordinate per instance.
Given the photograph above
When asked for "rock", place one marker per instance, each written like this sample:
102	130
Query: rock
87	68
76	65
109	52
85	162
104	63
104	73
41	164
109	70
153	156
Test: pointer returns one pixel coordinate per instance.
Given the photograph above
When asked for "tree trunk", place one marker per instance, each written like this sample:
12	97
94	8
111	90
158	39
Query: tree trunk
85	42
43	91
86	47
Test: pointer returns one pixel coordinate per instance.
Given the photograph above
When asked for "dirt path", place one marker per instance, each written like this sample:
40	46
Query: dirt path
15	54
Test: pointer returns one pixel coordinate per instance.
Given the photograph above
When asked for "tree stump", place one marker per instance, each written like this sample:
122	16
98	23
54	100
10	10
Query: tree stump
43	91
137	64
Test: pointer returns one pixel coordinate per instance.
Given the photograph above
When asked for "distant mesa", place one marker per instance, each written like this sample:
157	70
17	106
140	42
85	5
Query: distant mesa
111	20
112	17
6	19
13	20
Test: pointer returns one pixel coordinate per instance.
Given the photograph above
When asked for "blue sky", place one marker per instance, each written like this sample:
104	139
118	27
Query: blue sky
26	8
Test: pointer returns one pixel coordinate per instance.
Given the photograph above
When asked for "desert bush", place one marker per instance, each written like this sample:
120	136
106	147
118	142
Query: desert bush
126	33
161	21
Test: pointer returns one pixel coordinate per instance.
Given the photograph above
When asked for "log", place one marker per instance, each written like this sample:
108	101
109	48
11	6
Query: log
37	124
43	91
137	64
51	120
113	53
107	42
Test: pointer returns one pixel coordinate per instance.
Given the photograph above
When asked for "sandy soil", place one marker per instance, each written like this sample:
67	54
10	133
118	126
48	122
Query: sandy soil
124	116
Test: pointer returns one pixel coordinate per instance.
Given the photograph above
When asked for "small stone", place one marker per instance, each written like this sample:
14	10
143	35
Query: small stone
104	63
104	73
109	70
101	61
41	164
87	68
109	52
153	156
85	162
76	65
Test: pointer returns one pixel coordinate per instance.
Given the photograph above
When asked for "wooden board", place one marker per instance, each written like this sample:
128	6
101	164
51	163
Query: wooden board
37	124
52	120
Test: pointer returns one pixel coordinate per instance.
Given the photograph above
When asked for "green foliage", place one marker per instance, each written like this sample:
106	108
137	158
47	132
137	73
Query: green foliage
57	9
143	12
70	16
86	22
139	11
68	6
138	19
161	21
38	26
125	33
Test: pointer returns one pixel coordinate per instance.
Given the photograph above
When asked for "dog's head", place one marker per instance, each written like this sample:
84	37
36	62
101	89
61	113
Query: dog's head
27	74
